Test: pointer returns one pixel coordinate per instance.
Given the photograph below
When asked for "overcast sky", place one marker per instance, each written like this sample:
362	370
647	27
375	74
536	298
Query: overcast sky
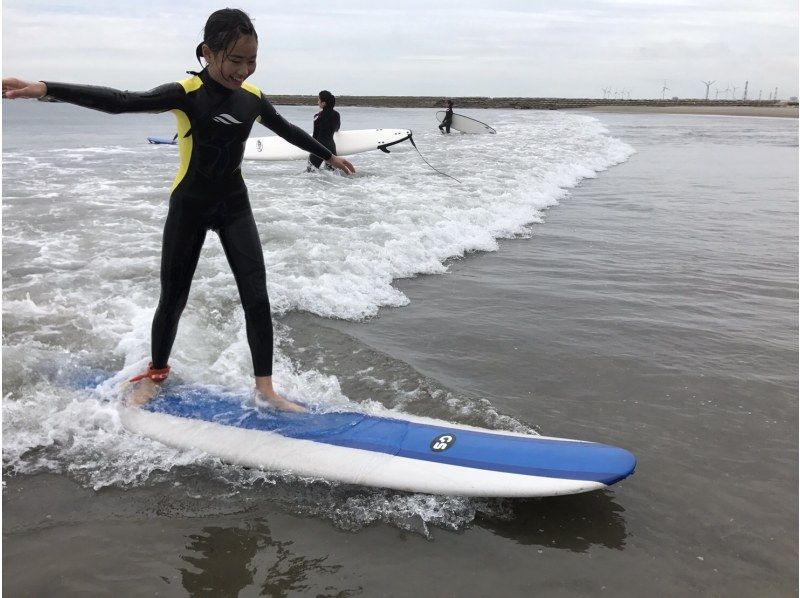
558	48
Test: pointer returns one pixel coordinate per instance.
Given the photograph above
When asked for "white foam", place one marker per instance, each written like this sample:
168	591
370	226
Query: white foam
335	249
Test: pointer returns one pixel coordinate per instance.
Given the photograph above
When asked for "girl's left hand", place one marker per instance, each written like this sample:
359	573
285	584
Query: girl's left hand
342	164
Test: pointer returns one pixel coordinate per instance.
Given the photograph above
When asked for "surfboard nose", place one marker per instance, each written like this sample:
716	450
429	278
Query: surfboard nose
619	464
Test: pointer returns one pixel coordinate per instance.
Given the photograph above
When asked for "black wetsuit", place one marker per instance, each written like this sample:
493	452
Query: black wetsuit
208	193
447	121
326	123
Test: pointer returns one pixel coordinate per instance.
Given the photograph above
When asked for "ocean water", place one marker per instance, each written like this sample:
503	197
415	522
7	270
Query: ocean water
628	279
84	203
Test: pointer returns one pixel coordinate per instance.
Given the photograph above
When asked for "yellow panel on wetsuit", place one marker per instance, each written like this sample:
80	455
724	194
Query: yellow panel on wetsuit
184	125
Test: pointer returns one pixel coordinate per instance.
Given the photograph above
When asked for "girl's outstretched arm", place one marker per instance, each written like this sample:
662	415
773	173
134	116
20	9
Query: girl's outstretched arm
105	99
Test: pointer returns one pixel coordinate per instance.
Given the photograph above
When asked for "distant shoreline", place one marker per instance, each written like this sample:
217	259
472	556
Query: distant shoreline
774	111
714	107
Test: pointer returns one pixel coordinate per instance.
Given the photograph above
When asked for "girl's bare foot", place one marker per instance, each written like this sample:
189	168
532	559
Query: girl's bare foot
143	392
268	394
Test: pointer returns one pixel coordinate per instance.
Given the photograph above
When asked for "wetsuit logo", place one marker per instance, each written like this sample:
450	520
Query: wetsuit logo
226	119
443	442
259	146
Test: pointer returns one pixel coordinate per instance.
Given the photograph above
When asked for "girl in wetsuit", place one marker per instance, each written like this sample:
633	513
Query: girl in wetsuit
326	122
215	110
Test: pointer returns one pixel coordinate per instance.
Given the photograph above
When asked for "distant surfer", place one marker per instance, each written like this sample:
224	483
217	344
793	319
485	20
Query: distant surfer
448	117
215	110
326	122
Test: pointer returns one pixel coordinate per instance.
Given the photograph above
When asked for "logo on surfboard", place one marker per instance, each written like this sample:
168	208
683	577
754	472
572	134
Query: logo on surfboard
443	442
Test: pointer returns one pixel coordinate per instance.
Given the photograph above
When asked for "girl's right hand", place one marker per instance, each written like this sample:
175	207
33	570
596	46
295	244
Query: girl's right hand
341	164
17	88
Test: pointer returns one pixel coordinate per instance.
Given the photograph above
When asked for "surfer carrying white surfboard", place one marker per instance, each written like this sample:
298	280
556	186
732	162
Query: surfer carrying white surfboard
448	117
215	110
326	122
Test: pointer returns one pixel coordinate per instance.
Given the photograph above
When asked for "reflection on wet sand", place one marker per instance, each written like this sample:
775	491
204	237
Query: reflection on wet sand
226	560
574	523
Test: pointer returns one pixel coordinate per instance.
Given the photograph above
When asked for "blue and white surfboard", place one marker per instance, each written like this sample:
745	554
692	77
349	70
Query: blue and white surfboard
401	452
162	141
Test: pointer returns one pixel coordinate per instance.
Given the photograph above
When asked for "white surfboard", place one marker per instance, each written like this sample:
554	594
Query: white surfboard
347	142
465	124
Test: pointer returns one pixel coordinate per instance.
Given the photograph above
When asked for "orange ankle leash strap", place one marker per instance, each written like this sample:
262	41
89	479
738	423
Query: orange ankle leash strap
156	376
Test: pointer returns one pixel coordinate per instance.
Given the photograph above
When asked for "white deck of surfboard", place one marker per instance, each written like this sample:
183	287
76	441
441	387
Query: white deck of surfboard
347	143
306	458
465	124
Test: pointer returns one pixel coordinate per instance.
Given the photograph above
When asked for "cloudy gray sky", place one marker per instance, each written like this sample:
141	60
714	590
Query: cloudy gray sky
566	48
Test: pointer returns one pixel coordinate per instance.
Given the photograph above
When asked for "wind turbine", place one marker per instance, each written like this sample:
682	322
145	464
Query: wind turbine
708	85
664	89
744	95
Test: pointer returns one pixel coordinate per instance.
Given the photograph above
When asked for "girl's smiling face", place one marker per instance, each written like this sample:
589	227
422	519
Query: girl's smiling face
230	67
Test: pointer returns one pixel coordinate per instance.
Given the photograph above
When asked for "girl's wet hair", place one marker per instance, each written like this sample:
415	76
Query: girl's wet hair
328	98
223	28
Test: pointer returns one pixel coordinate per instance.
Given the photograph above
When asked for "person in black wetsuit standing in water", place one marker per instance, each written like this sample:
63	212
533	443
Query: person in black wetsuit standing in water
215	110
447	121
326	122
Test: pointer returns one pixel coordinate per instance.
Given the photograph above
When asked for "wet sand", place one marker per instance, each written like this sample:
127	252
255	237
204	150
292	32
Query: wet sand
194	539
